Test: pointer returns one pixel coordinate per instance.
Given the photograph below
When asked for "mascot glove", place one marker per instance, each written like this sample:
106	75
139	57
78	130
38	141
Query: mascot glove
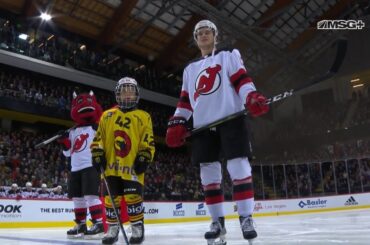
176	132
143	158
98	159
256	104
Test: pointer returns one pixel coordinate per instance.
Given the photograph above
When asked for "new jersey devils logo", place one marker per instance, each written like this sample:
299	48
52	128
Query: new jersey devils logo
80	142
208	81
122	144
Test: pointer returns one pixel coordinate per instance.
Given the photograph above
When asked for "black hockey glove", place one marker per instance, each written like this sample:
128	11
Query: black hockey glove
98	159
143	158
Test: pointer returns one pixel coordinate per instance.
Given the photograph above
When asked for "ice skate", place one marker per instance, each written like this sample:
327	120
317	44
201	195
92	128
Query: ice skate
247	226
96	231
78	231
216	235
137	229
112	234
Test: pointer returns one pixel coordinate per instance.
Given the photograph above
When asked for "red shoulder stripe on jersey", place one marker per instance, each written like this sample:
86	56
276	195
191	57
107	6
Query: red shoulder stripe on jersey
237	74
184	101
240	78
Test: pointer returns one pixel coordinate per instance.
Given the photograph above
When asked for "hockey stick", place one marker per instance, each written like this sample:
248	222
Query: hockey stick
114	206
341	53
55	137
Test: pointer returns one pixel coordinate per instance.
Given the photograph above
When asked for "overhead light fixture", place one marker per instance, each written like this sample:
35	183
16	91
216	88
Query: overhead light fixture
50	37
45	16
358	85
82	47
355	80
23	36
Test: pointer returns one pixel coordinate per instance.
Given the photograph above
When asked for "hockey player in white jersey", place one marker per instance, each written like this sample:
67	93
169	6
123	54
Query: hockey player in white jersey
14	191
215	86
28	191
84	182
43	192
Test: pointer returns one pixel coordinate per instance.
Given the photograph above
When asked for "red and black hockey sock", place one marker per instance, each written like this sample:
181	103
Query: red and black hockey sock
214	199
213	194
95	207
243	195
80	214
243	189
96	212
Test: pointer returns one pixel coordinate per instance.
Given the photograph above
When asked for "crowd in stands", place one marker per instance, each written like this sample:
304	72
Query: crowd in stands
20	163
29	192
337	168
59	50
172	176
312	178
167	178
50	93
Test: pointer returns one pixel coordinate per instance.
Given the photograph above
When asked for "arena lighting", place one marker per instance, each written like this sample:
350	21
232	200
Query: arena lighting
358	85
23	36
45	16
355	80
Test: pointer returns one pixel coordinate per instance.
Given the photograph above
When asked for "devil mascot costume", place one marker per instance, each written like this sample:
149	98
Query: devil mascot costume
84	180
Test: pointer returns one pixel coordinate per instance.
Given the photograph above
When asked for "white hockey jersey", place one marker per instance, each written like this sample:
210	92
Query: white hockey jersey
214	87
43	194
81	138
29	193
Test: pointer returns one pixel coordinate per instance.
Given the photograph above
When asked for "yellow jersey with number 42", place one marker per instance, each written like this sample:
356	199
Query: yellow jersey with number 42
122	135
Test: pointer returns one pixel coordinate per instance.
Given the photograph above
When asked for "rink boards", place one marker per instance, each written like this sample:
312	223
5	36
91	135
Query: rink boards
51	213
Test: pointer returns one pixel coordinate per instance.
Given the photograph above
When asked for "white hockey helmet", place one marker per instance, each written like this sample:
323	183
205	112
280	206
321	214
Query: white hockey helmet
205	23
129	85
28	184
14	185
44	185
